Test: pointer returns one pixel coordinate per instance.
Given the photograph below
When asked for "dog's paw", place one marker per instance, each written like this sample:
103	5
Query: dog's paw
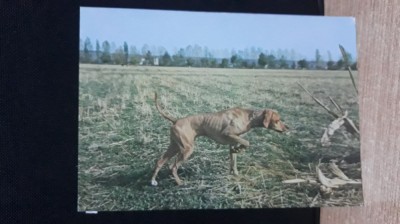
180	183
239	149
234	173
154	183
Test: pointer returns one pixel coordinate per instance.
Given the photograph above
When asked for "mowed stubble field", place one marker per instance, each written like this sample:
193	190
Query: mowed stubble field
121	136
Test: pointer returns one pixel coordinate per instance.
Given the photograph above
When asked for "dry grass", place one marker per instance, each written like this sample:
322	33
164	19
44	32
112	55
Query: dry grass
121	135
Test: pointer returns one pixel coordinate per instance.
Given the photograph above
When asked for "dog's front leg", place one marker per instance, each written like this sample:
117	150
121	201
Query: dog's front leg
233	160
243	142
238	145
238	148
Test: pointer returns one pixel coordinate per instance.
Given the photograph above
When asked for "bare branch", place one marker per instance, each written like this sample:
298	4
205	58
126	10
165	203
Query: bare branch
335	170
336	105
294	181
324	180
319	102
352	79
350	126
299	180
332	127
335	182
344	54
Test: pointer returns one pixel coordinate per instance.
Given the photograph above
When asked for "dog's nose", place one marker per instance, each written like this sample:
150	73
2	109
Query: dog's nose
285	127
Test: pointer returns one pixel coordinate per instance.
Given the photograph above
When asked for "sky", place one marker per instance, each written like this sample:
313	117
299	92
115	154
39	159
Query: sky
178	29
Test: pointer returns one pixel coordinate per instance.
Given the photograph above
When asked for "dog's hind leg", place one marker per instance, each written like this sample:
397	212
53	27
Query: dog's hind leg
182	157
171	152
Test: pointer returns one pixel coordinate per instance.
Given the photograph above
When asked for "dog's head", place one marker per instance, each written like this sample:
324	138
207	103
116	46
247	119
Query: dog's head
272	120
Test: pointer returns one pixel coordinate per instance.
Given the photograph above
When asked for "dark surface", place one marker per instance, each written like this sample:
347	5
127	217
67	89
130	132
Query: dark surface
39	110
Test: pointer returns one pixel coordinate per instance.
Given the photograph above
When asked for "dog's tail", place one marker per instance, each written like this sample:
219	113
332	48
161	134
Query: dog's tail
173	120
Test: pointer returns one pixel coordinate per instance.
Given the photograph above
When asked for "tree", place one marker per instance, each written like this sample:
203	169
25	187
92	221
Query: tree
189	62
133	51
87	48
262	60
318	59
354	66
197	51
161	50
329	56
178	60
166	59
340	64
98	52
204	62
234	59
148	58
181	52
224	63
145	49
302	64
113	47
282	63
271	61
134	59
119	56
213	63
133	56
245	64
292	55
189	51
331	65
106	56
293	65
126	53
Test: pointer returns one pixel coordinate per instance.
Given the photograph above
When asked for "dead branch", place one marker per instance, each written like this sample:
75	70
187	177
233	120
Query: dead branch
336	105
338	172
298	180
344	54
319	102
337	123
332	127
326	181
294	181
335	182
350	126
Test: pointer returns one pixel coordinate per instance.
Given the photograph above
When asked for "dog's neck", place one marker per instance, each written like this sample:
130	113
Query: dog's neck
256	118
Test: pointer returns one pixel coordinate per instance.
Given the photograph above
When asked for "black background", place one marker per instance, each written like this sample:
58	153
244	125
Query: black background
39	113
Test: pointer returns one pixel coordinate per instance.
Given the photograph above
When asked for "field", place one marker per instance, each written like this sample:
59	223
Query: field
121	135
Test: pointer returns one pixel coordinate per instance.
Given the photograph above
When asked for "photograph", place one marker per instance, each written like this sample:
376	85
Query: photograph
192	110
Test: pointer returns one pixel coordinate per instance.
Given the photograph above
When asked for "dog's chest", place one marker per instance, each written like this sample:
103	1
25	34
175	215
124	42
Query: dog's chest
238	123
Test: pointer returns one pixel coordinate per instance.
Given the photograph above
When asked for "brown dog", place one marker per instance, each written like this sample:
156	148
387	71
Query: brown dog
225	127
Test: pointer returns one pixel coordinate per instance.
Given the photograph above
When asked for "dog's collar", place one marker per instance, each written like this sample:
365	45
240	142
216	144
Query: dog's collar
254	114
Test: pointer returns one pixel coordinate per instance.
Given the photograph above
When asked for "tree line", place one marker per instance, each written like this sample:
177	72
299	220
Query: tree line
195	56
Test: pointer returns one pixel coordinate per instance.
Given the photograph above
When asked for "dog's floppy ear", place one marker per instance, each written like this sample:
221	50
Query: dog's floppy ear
267	117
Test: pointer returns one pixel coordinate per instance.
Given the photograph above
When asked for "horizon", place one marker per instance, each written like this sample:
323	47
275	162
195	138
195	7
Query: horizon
220	33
